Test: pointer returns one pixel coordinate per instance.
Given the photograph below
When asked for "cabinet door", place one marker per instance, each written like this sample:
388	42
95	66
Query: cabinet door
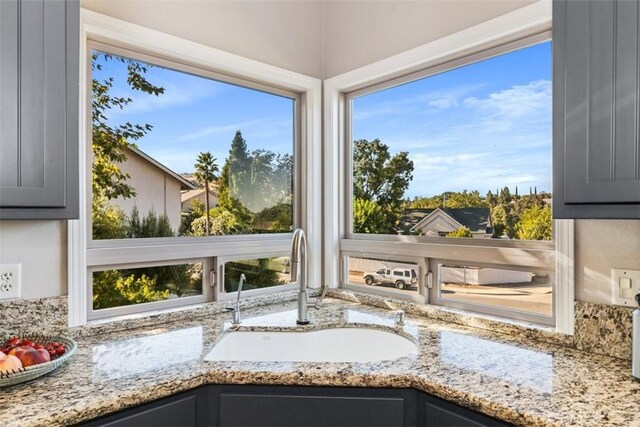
312	406
440	413
179	410
38	108
596	83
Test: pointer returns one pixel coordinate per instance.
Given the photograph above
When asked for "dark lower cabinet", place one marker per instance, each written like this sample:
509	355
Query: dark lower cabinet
313	406
435	412
178	410
247	405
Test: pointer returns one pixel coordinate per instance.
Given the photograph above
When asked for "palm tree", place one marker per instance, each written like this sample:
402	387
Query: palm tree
206	169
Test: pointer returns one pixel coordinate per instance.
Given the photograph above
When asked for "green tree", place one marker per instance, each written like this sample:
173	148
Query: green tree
378	176
260	273
499	221
112	289
465	199
151	225
461	232
424	202
109	140
108	221
535	223
186	218
505	196
206	169
369	217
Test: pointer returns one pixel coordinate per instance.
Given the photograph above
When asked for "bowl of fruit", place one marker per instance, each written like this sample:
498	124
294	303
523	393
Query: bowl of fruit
24	357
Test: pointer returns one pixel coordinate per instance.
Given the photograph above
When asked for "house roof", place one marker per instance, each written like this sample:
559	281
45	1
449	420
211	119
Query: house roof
190	194
478	220
184	184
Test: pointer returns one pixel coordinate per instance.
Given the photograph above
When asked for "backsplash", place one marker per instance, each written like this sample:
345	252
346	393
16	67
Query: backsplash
603	329
42	315
599	328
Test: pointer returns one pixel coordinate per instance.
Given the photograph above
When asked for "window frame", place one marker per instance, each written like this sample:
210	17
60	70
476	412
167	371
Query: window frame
522	27
86	255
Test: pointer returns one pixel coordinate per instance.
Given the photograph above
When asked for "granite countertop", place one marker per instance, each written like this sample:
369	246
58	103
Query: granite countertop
514	379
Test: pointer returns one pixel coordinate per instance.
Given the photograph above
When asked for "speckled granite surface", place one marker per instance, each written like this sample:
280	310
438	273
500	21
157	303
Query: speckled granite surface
603	329
513	378
43	315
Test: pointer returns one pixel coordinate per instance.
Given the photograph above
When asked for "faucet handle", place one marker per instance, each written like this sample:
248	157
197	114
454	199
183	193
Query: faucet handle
399	318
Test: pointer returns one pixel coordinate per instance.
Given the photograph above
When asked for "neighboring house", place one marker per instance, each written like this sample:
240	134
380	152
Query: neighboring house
439	222
188	196
157	187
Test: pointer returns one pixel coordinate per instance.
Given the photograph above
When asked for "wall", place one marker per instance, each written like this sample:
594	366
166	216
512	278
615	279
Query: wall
155	190
600	246
287	34
357	33
41	248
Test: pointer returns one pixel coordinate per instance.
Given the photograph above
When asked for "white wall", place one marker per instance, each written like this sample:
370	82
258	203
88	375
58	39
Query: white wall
357	33
600	246
155	190
287	34
41	248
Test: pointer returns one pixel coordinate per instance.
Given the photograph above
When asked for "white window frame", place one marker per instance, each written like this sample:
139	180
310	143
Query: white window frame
507	30
85	255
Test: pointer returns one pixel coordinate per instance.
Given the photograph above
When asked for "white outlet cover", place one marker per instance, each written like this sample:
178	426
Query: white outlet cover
10	281
621	295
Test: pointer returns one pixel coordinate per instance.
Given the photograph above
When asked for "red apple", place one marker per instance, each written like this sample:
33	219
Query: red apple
9	363
34	357
18	351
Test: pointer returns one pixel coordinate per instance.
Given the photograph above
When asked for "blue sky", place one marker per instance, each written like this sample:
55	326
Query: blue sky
478	127
197	114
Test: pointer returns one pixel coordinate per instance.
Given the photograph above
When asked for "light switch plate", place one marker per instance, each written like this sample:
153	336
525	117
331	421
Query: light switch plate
10	275
625	284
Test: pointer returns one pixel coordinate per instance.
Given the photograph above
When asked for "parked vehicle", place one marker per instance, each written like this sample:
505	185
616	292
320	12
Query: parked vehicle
401	278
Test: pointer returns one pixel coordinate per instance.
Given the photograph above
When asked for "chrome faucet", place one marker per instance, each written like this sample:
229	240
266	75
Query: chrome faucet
236	310
299	273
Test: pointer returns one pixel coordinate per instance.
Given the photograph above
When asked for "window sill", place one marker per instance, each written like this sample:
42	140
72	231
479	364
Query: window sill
482	321
183	313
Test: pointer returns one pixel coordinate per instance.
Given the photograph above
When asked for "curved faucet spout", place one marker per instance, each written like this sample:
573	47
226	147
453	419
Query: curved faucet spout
299	272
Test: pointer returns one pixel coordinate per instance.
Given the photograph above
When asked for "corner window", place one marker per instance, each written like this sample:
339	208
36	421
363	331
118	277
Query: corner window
181	155
452	165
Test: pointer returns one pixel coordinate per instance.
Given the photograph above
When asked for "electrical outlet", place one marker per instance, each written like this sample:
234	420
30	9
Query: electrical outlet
10	281
625	284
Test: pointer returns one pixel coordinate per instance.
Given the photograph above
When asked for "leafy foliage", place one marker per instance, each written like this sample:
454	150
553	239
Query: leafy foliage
107	220
110	140
112	289
151	225
535	223
461	232
260	273
369	217
378	176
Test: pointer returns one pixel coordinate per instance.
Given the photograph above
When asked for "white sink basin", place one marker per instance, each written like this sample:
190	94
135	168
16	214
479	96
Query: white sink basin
327	345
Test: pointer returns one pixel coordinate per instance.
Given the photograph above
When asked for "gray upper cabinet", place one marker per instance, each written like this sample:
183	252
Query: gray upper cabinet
596	104
39	56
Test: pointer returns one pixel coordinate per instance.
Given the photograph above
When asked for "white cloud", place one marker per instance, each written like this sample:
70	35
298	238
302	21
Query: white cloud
515	102
439	99
443	103
216	129
173	96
